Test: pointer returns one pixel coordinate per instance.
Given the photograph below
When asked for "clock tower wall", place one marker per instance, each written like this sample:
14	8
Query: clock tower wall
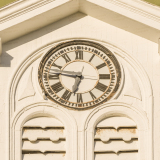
136	55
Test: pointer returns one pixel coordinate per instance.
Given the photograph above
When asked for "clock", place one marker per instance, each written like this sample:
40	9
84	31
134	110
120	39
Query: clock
79	74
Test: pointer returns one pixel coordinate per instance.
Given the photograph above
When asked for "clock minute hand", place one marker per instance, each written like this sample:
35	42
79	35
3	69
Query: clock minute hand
90	77
68	72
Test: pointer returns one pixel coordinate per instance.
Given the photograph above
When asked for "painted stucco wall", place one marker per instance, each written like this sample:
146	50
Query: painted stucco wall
137	44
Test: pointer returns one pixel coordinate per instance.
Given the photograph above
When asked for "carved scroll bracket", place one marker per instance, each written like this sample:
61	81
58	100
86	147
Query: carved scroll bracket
132	88
29	89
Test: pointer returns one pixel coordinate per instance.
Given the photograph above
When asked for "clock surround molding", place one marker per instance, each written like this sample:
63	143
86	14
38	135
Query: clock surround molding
98	52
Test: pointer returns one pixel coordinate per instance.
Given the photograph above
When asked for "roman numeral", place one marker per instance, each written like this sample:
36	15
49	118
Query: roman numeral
66	58
66	95
57	87
55	65
79	98
92	95
45	76
101	65
55	76
50	91
91	57
101	87
104	76
79	54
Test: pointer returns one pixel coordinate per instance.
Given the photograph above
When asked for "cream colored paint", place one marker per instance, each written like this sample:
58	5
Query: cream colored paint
134	43
16	19
81	25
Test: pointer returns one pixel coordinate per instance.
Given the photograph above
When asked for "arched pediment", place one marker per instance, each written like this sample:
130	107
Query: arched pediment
140	110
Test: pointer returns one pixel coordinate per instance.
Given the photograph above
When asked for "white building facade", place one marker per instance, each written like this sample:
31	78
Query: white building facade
123	123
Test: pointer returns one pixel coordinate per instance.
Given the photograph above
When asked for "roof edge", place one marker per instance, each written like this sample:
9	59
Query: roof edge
135	9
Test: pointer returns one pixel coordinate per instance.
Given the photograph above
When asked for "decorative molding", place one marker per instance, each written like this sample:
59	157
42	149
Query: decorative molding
136	6
29	89
23	7
21	14
132	87
32	15
134	9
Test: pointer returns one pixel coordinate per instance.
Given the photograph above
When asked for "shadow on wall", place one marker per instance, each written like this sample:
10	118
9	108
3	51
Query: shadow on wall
100	13
6	57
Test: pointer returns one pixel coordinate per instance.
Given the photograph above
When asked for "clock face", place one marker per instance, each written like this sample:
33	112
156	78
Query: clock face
79	74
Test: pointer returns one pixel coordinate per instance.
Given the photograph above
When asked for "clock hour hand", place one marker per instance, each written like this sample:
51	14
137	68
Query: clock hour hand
75	86
68	72
77	80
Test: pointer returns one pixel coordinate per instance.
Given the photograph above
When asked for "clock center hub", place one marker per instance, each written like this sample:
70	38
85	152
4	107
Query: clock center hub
89	78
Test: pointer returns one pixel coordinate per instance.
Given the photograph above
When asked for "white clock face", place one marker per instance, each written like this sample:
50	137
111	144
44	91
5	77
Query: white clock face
89	78
79	74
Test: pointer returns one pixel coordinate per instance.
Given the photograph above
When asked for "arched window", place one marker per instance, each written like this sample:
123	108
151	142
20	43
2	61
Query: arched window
116	138
44	132
43	138
116	131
